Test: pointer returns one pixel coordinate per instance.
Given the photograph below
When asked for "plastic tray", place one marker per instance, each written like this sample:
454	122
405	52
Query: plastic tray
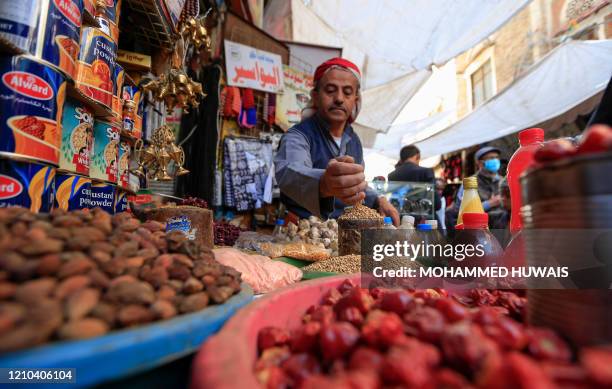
226	360
125	352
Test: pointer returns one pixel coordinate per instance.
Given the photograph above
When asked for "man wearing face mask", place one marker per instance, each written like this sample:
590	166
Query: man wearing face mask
487	159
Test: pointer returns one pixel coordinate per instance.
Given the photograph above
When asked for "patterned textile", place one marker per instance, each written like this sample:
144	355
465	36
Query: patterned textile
190	9
246	165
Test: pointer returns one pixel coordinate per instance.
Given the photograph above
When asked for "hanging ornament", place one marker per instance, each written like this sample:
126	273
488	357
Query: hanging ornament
156	157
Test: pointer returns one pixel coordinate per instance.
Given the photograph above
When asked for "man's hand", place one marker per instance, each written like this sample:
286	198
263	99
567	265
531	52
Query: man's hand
345	180
494	201
386	209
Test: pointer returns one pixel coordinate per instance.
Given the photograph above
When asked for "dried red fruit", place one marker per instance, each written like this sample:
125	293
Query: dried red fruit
466	348
299	366
545	344
320	382
507	333
381	328
399	302
273	377
450	379
345	286
598	364
517	371
554	150
337	339
366	358
451	310
482	297
513	303
425	323
405	367
272	337
356	297
323	314
351	315
597	138
331	297
566	375
305	338
272	357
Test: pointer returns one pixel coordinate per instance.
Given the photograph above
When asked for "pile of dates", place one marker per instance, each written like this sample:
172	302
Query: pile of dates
359	338
195	202
80	274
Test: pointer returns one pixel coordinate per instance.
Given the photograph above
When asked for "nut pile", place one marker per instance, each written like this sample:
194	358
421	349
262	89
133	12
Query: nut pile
360	338
346	264
350	225
75	275
358	212
322	233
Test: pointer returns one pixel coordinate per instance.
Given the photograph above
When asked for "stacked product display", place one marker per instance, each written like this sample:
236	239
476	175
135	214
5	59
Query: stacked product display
63	142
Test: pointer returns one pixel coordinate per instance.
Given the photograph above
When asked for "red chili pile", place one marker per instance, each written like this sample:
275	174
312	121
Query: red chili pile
598	138
360	338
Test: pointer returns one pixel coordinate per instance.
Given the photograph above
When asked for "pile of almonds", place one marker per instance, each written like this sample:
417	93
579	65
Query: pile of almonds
76	275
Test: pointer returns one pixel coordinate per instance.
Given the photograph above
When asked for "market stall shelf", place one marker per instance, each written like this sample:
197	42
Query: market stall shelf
126	352
227	359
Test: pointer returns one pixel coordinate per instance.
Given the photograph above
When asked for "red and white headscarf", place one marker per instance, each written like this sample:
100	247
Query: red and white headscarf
330	64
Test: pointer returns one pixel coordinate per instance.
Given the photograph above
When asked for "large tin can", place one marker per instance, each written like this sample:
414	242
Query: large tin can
96	65
567	216
18	21
132	118
77	137
105	155
72	191
121	201
26	184
32	97
118	78
59	29
103	196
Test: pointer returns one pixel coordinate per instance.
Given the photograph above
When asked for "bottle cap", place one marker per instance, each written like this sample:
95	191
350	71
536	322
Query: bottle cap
407	219
280	222
472	220
388	220
432	223
470	182
531	136
424	227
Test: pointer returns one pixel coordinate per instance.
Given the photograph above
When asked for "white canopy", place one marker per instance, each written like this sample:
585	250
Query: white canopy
565	82
395	42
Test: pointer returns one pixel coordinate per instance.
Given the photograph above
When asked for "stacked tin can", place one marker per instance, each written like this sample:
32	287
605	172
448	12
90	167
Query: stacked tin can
59	152
567	215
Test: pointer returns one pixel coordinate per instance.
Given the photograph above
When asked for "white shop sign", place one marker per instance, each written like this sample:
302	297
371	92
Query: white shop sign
248	67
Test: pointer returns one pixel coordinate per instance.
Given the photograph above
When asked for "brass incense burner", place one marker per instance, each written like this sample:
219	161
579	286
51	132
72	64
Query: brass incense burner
156	157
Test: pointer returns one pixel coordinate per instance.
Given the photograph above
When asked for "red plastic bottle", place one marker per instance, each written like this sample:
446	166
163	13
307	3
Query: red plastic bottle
475	231
530	140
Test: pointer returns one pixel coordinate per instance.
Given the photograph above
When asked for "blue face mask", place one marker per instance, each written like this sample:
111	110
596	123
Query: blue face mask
492	165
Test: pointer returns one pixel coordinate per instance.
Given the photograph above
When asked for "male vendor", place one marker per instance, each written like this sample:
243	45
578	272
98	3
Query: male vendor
319	164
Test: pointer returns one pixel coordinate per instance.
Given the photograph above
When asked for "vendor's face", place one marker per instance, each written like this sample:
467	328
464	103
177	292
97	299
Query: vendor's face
336	96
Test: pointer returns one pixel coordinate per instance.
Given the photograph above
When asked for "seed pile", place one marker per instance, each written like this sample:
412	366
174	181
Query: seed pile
346	264
75	275
359	212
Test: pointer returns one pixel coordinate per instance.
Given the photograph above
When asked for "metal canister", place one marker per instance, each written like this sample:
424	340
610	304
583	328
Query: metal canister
32	97
567	203
96	65
105	155
103	196
77	137
133	97
19	21
72	192
25	183
118	78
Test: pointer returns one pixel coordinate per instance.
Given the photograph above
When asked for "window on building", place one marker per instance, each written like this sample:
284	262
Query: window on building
482	84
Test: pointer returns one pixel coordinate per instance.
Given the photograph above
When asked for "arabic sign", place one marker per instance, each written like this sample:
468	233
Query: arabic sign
295	97
248	67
